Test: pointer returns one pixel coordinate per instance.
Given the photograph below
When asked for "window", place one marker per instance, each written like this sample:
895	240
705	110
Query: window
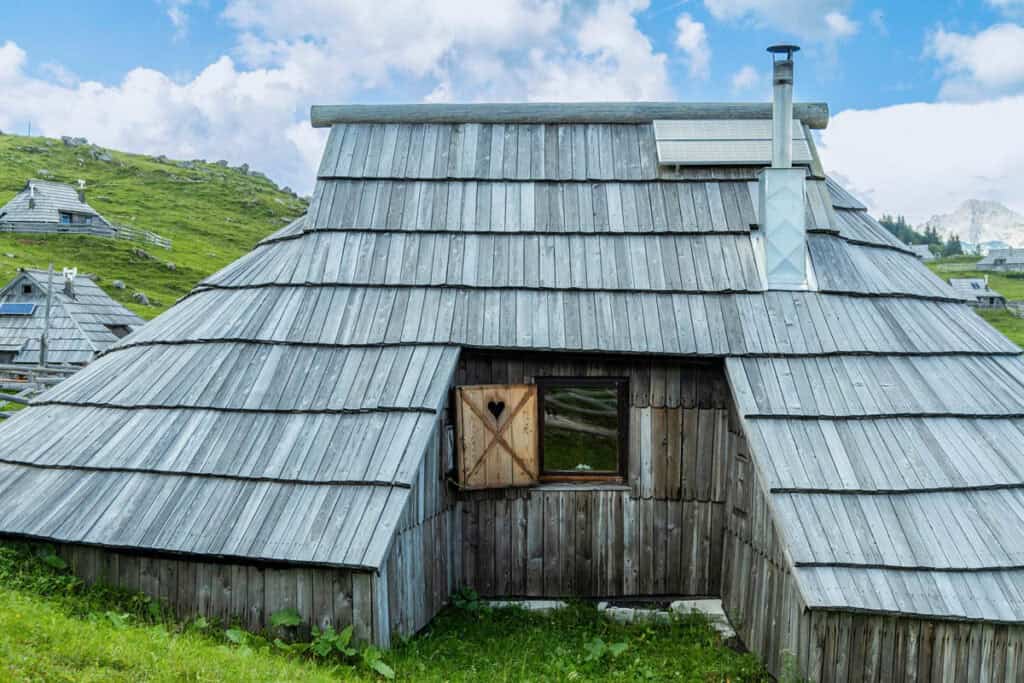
583	427
119	331
26	289
17	309
67	218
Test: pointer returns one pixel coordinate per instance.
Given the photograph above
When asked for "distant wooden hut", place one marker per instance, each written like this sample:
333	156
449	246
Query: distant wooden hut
44	206
84	320
1002	260
553	350
922	251
976	292
47	206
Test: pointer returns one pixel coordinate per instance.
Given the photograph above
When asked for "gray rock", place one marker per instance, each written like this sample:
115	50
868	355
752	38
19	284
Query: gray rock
43	173
257	174
140	298
118	284
141	253
288	190
244	168
73	142
100	154
9	255
221	162
170	266
185	164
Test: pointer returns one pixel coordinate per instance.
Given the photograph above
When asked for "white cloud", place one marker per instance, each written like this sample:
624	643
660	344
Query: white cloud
177	12
813	20
926	158
252	107
745	79
12	59
982	65
692	39
839	25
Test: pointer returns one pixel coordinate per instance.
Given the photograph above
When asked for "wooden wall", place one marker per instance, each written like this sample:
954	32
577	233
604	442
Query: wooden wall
235	593
658	534
758	592
761	598
424	565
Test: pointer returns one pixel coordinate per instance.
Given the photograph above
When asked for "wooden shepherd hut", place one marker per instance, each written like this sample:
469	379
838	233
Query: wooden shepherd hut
555	350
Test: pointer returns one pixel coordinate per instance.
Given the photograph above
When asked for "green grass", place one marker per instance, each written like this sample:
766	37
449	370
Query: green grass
1006	322
211	213
52	628
1009	285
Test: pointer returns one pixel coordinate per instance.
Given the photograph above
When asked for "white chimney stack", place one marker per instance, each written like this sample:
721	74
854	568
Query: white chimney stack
782	187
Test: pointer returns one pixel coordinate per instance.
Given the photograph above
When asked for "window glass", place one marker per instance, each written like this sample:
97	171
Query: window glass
582	426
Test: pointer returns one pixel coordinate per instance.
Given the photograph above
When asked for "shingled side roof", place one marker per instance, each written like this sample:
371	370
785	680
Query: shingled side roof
78	326
882	412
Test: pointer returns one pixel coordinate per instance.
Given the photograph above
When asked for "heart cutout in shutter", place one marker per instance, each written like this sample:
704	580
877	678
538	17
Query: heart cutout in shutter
496	408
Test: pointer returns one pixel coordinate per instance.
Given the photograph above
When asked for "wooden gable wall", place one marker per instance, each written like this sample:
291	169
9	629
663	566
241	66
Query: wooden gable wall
658	534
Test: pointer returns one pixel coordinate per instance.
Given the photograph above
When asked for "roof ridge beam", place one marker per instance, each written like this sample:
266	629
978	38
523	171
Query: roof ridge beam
814	114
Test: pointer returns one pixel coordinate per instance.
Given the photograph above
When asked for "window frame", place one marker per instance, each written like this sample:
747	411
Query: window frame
622	387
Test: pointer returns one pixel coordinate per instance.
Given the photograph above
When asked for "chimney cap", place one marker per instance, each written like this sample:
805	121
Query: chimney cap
787	50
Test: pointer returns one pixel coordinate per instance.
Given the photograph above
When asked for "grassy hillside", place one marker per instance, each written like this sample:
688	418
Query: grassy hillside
213	214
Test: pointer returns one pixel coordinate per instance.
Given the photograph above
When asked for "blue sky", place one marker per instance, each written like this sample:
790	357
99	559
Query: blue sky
234	78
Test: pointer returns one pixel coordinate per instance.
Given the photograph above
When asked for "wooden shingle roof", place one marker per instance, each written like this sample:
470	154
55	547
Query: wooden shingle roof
42	201
300	383
79	326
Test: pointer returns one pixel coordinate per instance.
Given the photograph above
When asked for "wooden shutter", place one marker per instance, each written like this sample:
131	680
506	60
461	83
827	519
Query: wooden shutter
497	435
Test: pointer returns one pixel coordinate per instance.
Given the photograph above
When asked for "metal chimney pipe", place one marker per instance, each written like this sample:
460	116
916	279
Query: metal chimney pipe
782	105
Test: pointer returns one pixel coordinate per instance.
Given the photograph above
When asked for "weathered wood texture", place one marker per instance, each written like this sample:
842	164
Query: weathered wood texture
760	596
758	592
814	114
247	595
424	565
497	435
658	534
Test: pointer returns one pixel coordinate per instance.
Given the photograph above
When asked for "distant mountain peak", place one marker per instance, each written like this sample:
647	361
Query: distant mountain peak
978	221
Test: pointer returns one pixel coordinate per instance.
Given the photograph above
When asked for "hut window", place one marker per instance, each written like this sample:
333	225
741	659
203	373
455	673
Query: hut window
26	289
583	427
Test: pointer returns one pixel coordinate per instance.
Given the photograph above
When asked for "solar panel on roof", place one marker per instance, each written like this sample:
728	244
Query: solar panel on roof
17	309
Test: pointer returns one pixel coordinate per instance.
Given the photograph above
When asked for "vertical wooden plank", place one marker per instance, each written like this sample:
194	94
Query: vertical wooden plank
362	606
552	549
661	484
486	557
673	453
322	613
567	542
535	544
519	549
630	546
690	453
584	544
254	618
502	549
381	616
